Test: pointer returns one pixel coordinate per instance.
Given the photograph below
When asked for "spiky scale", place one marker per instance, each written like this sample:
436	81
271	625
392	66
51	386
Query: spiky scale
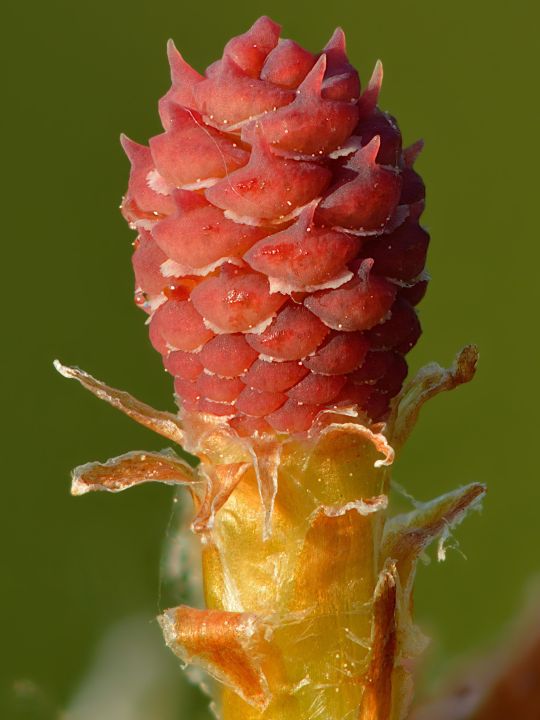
141	201
249	50
189	150
230	96
341	79
303	255
310	124
269	187
365	195
287	64
184	79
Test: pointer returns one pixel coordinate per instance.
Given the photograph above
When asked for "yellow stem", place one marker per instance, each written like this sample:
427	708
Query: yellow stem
310	584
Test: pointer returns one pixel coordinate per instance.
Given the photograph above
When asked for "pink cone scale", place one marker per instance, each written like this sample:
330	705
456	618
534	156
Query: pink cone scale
280	254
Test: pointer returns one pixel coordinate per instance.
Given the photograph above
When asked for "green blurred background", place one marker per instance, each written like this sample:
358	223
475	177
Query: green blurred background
458	74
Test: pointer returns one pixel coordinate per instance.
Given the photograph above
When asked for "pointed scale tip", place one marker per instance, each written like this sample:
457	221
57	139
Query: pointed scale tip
175	58
376	80
338	41
312	83
370	97
181	71
373	146
366	155
132	149
411	153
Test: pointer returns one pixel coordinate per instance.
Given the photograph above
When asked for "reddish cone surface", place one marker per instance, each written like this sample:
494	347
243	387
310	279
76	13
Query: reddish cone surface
280	254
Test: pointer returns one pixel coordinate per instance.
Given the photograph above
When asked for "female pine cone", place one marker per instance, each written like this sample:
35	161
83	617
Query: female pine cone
280	255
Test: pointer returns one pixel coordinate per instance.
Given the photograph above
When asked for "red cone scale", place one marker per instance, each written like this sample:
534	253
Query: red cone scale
280	253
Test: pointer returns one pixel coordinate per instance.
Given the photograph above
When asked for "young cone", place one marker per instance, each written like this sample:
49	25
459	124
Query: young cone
279	221
280	258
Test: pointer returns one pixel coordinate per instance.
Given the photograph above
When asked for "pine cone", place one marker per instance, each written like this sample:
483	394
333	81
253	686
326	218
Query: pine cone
280	254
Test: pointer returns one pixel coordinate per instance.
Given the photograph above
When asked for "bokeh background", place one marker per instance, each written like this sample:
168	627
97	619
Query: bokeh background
458	74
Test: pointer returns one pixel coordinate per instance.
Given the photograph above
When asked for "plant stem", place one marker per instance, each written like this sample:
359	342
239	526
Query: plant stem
308	587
